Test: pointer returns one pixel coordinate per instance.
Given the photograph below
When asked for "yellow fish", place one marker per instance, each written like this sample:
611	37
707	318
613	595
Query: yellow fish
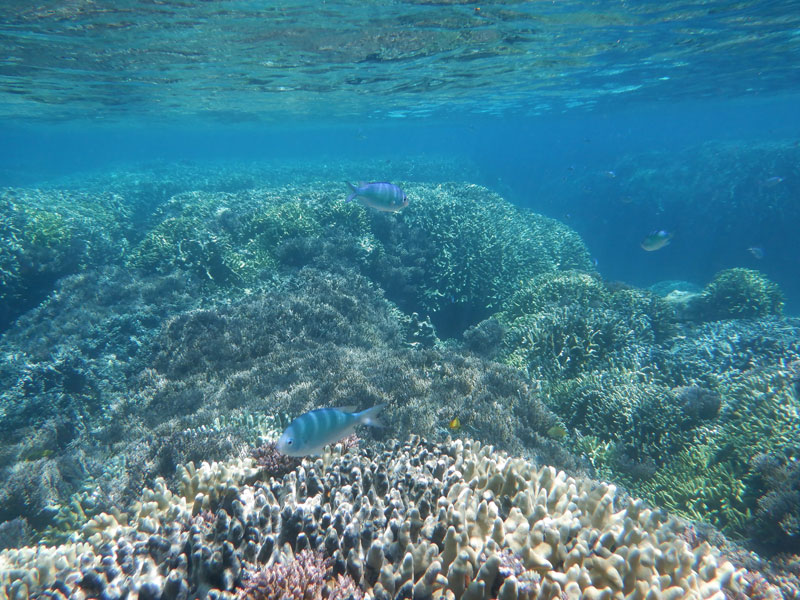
454	424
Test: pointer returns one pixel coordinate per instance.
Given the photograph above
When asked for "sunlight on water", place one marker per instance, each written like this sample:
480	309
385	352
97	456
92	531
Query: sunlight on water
230	59
548	248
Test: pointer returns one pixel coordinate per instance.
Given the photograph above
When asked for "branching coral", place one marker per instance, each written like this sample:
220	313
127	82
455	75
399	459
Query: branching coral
643	419
236	240
740	293
716	476
457	249
195	233
696	484
481	247
776	481
407	520
566	323
307	577
45	235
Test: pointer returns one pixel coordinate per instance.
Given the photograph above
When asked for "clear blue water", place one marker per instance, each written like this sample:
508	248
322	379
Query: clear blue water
242	61
537	99
617	117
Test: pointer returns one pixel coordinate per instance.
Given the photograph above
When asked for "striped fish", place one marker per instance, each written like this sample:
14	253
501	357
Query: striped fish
379	195
311	432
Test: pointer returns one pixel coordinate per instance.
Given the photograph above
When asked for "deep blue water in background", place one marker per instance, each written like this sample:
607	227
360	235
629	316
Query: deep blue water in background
535	162
540	101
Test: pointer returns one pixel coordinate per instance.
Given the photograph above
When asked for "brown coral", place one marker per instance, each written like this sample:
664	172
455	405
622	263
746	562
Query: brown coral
414	520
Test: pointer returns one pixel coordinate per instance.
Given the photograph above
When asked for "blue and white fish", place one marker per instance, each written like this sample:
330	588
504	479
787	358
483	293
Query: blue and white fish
311	432
379	195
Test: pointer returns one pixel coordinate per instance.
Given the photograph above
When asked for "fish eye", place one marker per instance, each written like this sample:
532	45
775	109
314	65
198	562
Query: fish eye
289	442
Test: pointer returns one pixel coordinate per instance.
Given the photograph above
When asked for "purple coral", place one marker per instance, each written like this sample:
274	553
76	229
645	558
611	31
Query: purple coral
273	462
307	577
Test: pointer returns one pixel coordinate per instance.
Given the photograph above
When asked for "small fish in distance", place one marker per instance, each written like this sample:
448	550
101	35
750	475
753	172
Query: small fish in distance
311	432
386	197
656	240
772	181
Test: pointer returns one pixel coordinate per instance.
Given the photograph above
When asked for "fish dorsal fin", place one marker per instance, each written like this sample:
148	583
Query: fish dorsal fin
347	409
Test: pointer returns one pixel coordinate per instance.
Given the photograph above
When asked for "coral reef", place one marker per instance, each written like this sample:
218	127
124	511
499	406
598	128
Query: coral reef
740	293
200	383
776	481
146	186
46	235
643	419
478	248
417	520
565	323
706	353
66	364
440	256
324	340
232	239
656	404
239	308
716	477
731	294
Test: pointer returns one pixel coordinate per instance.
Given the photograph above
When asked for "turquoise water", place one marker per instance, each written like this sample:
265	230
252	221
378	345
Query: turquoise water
536	99
242	61
597	268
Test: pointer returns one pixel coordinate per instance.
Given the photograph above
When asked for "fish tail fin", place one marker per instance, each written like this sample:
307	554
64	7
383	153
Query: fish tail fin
353	189
370	416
